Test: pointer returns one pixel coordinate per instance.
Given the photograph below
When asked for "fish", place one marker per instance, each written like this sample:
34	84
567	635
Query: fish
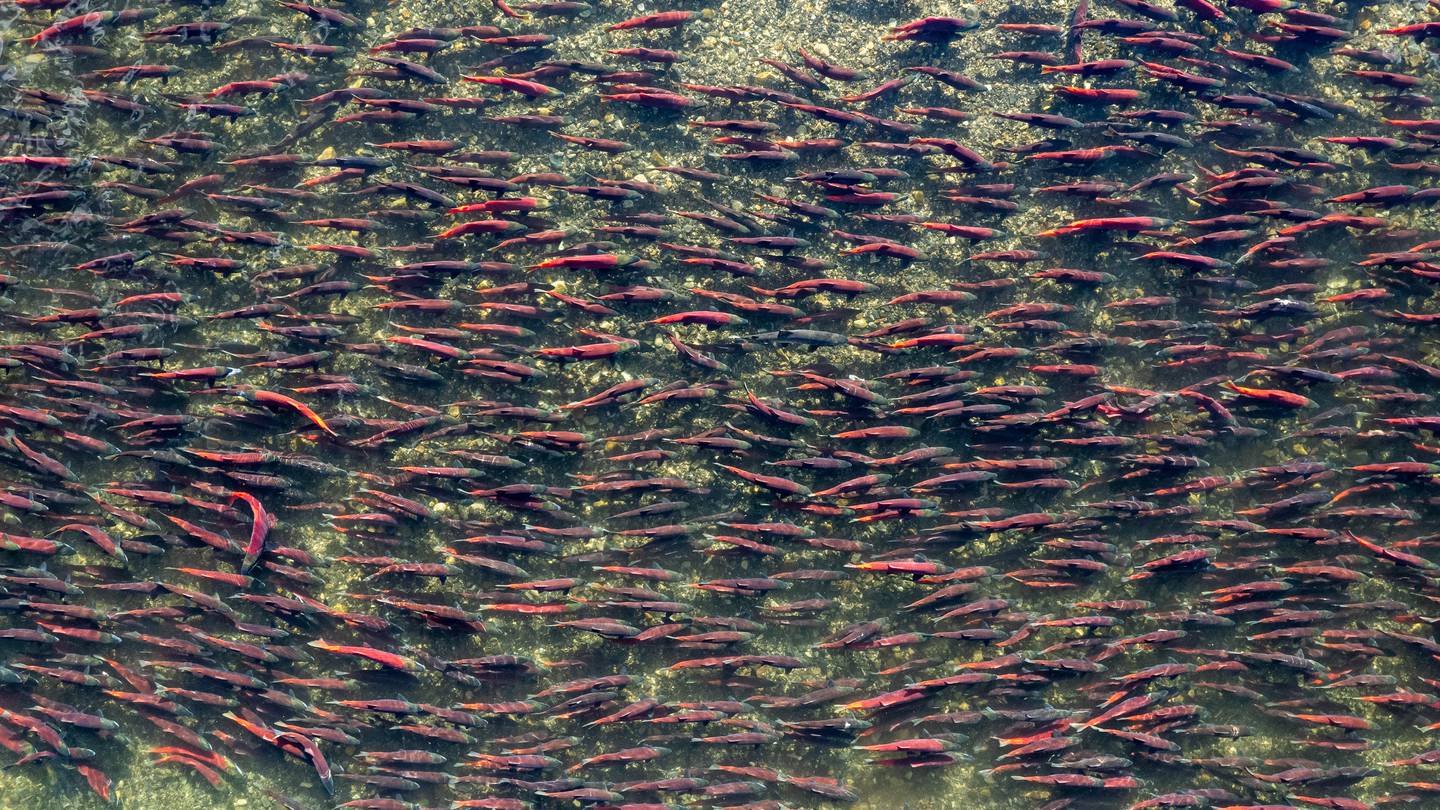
1017	399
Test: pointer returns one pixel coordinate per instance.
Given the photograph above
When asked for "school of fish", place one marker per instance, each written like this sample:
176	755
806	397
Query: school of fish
395	423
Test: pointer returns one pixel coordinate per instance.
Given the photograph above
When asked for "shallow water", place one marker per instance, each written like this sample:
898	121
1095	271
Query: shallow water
318	476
